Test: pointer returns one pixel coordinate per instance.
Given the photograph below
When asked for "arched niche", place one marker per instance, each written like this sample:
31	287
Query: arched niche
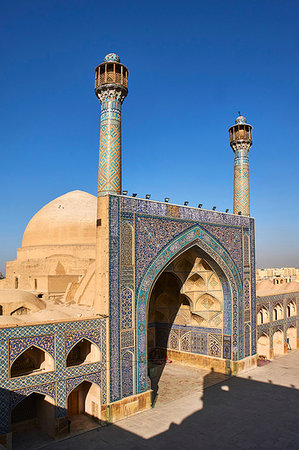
83	352
292	337
126	239
85	399
263	315
278	312
263	346
278	343
32	361
291	309
34	411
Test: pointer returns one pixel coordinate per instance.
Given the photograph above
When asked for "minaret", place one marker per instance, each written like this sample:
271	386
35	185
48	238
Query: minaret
240	141
111	88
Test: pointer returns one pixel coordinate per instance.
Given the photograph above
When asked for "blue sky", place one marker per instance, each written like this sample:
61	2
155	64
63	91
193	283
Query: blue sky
193	65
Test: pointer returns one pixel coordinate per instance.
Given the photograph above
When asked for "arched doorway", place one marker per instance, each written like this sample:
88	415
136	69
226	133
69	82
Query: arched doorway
34	411
278	343
32	361
186	303
263	346
84	352
84	400
292	337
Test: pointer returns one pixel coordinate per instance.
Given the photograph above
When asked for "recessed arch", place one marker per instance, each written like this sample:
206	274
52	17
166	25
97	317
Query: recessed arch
84	398
216	256
35	410
291	309
31	361
278	312
292	337
278	343
263	315
263	346
82	352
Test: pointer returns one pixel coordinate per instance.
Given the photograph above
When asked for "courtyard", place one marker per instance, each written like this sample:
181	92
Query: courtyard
196	408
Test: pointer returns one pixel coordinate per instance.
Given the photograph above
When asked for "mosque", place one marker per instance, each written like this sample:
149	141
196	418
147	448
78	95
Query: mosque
102	283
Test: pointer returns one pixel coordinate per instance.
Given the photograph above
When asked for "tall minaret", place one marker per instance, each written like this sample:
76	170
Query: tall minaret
111	88
240	141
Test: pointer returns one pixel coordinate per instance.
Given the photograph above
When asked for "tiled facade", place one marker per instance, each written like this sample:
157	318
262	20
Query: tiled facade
156	233
57	339
269	302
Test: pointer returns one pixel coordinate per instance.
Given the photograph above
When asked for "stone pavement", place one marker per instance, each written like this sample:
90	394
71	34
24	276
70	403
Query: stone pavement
258	410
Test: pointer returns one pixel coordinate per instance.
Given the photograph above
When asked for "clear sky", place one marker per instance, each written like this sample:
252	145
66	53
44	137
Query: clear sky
193	65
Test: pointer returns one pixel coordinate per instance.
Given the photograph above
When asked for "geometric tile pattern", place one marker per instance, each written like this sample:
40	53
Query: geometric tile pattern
71	339
127	374
114	329
126	308
226	347
72	383
241	179
109	180
215	344
54	338
19	345
127	338
247	339
19	395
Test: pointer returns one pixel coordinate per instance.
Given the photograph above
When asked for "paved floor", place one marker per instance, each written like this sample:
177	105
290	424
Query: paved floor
258	410
175	381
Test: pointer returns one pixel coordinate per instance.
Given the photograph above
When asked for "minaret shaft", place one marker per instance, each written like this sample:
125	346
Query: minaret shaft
109	177
241	179
240	142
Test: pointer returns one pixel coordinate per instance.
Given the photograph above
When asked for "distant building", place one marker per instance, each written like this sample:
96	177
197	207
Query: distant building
277	317
288	273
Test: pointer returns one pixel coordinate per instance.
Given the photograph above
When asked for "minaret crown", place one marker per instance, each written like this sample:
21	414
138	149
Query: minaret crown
240	133
111	74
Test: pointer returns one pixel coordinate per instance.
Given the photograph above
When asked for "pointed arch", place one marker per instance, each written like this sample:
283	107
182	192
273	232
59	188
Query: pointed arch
84	398
72	383
219	259
87	352
32	360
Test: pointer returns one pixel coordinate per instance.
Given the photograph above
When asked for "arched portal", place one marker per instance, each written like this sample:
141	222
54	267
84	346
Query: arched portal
32	361
84	352
292	337
34	411
278	343
263	346
85	399
185	312
219	260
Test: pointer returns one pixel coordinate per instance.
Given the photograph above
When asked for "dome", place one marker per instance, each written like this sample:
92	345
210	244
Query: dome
67	220
240	119
112	57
